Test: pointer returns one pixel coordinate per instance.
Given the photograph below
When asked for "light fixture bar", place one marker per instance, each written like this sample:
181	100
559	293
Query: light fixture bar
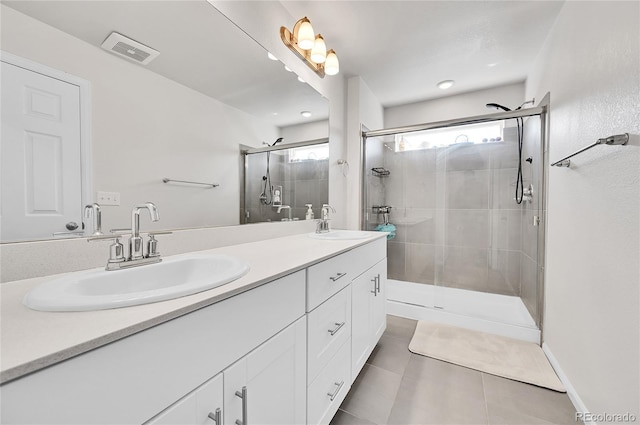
289	40
314	55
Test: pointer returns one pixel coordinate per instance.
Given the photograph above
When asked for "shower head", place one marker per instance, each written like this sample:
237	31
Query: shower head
497	106
277	141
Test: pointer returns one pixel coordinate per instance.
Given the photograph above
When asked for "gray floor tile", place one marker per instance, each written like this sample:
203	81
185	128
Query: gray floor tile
372	394
443	375
401	328
499	415
391	354
344	418
435	392
527	400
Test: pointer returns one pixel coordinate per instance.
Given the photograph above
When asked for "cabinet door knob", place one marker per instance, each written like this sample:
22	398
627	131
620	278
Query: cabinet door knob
337	276
243	396
335	393
336	329
216	417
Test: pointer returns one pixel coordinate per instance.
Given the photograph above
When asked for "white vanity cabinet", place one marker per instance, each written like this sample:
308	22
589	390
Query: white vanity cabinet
284	352
267	386
135	378
202	406
335	296
368	314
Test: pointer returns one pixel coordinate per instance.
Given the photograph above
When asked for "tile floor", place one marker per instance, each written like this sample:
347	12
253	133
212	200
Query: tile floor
399	387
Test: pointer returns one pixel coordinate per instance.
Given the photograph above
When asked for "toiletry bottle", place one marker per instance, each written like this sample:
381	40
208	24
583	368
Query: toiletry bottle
309	215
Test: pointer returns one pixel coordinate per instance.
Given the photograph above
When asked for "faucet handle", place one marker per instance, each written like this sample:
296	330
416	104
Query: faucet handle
116	249
152	243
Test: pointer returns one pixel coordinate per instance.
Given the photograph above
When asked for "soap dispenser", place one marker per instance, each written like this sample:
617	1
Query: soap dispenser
309	215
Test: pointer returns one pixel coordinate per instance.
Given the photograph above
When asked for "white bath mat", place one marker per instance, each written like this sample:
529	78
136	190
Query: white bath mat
510	358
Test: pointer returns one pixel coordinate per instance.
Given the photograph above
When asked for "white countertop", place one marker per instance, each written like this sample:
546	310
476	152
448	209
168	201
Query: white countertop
31	340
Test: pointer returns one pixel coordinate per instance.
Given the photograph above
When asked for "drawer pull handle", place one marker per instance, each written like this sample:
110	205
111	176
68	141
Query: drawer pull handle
335	393
338	327
243	396
215	417
337	276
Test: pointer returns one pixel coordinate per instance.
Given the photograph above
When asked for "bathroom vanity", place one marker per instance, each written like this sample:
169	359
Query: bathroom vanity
280	345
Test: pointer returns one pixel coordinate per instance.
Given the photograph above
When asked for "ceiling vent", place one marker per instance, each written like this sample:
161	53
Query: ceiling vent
123	46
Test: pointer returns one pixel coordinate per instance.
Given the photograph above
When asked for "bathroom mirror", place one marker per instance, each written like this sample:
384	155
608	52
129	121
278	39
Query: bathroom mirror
180	117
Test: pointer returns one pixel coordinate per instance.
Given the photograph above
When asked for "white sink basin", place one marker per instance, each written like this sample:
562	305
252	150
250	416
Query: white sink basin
341	235
101	289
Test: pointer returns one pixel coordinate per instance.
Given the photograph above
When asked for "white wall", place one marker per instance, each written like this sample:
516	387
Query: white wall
458	106
305	132
146	127
363	110
591	66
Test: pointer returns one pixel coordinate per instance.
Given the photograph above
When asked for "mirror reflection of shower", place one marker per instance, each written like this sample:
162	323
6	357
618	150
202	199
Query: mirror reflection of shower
281	179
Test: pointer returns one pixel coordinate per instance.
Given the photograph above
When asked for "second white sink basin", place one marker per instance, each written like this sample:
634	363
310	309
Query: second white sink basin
341	235
101	289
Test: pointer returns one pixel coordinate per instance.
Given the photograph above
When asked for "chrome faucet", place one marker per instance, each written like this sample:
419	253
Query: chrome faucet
285	207
322	225
136	244
137	257
94	210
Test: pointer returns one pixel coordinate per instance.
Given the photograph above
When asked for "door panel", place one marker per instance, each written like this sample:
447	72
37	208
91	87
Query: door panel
41	169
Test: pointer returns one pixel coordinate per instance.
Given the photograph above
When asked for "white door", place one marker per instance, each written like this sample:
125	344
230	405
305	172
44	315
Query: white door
272	379
40	155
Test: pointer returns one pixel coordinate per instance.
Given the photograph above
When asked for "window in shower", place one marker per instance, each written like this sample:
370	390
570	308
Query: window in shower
430	139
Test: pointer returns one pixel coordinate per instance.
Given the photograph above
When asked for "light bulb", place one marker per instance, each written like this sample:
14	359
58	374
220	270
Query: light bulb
319	50
331	65
305	36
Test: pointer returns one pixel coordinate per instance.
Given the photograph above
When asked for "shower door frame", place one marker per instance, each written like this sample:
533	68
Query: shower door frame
542	110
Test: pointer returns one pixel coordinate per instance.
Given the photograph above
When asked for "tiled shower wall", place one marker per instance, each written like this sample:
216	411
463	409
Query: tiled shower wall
457	222
303	182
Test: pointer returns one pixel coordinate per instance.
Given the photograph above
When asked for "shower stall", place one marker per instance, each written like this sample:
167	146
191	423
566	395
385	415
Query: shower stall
465	198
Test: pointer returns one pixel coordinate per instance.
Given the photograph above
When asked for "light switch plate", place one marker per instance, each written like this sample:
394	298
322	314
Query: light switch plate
108	198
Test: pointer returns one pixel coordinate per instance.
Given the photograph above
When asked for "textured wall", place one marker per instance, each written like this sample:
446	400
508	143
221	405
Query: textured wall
590	64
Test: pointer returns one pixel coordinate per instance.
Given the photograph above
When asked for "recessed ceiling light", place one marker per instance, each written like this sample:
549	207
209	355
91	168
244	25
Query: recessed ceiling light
305	114
287	68
270	56
491	65
445	84
301	80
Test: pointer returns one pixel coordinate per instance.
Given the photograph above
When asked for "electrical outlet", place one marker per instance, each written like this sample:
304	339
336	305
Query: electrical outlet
108	198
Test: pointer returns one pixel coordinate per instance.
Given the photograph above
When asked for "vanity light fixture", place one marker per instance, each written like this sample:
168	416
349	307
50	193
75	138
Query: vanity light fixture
311	48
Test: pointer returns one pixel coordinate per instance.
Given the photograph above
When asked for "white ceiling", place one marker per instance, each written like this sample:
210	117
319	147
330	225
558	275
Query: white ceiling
401	49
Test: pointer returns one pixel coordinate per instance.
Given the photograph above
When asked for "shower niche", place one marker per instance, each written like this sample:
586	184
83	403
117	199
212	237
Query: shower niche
465	243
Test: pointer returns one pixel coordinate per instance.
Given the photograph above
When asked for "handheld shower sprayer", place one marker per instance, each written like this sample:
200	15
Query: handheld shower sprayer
520	125
266	197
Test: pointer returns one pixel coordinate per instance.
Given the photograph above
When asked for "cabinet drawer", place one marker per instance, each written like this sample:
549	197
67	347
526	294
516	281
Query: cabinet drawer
328	390
330	276
329	326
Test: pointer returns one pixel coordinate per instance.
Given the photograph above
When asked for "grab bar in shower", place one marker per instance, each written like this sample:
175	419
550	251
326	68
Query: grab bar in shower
618	139
166	180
